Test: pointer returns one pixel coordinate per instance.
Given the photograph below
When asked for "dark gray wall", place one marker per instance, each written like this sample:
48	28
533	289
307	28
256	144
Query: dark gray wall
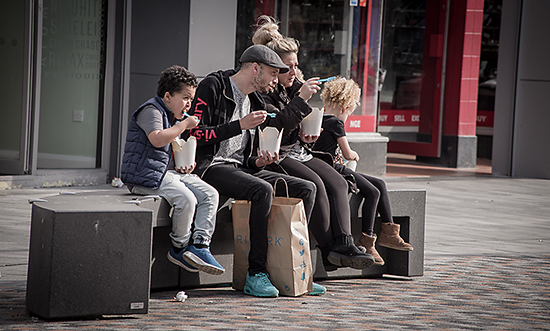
532	115
159	39
521	107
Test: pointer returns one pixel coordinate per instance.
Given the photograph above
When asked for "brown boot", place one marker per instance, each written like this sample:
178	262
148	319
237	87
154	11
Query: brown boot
368	242
389	237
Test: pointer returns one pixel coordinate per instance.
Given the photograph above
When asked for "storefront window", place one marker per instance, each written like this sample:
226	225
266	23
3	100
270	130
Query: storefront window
71	96
335	39
403	44
488	77
321	29
365	64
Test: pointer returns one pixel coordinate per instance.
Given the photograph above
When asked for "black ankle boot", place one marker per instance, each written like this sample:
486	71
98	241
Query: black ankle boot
344	253
325	250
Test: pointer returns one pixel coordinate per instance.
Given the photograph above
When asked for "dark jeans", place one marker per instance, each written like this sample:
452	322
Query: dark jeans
376	199
331	215
257	187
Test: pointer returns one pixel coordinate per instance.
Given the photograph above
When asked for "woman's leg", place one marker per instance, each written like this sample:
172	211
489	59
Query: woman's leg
336	189
340	249
319	223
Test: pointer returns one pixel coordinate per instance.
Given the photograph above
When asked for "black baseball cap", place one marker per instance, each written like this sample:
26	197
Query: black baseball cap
265	55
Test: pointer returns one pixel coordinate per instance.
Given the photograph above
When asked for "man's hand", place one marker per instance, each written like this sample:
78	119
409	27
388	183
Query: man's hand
187	169
265	158
253	119
308	139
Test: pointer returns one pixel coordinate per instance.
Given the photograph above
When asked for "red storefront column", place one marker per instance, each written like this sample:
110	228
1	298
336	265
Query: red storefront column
459	141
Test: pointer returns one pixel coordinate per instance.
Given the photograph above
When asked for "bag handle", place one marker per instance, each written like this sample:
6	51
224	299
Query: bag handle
275	186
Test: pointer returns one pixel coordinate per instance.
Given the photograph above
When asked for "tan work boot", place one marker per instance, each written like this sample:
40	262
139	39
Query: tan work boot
389	237
368	242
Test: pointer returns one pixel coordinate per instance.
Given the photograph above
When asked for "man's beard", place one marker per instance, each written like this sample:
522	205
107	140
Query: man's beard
259	84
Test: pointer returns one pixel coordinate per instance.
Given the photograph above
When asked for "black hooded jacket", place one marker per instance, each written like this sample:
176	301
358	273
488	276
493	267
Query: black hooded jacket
214	107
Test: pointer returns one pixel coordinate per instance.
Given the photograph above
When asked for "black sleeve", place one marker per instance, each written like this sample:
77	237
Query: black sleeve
204	106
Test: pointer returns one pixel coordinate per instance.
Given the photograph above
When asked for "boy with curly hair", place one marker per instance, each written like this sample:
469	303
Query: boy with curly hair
148	168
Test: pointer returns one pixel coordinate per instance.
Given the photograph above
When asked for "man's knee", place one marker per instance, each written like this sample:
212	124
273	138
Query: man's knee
261	190
306	187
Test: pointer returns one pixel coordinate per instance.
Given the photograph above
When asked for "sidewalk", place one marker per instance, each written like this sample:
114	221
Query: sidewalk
487	267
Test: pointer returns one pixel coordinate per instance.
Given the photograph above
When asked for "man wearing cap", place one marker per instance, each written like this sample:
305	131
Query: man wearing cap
229	108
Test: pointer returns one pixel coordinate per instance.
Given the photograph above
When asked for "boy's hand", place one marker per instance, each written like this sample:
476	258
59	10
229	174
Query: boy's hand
187	169
310	87
191	122
253	119
265	158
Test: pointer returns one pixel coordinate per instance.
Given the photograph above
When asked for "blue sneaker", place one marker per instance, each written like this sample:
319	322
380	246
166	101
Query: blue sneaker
202	259
317	290
178	260
260	286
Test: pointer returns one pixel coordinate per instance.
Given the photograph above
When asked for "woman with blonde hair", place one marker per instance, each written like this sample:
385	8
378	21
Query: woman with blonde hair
330	222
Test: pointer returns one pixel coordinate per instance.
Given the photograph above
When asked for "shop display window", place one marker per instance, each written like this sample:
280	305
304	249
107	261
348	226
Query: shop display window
72	81
403	44
335	39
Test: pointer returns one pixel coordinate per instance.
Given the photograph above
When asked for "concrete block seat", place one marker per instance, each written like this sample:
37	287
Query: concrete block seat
89	255
408	207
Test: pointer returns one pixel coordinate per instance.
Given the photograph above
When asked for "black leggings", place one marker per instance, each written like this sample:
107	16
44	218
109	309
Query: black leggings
376	199
331	215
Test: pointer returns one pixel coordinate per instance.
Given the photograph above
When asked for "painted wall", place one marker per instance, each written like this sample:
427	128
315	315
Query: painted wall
521	135
212	33
159	39
532	110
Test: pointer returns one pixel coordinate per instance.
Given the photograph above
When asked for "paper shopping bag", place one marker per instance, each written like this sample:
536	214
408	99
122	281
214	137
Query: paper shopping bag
240	210
288	253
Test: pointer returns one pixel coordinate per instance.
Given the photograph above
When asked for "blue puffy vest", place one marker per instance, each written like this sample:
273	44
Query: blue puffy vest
144	164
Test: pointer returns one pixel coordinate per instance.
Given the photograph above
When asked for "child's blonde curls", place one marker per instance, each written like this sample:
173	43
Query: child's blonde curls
341	93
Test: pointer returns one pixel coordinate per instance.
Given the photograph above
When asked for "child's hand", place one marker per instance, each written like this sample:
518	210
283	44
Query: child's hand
187	169
191	122
354	156
310	87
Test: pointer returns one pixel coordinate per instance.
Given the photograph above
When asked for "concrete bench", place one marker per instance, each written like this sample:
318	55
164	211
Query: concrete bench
133	250
408	208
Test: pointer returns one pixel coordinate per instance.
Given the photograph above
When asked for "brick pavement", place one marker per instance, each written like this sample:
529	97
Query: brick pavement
487	267
455	293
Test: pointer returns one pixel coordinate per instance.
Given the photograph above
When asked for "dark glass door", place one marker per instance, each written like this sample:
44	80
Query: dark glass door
413	59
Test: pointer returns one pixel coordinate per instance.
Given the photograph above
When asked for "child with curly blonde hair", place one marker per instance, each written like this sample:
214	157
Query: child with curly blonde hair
340	98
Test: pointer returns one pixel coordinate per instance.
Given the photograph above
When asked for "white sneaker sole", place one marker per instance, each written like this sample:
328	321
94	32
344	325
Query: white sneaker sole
178	263
196	262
